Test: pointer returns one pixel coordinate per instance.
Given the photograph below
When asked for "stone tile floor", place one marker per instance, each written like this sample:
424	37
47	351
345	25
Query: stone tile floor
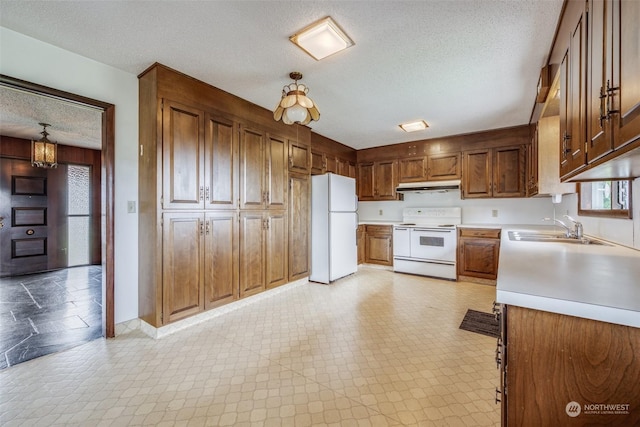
373	349
48	312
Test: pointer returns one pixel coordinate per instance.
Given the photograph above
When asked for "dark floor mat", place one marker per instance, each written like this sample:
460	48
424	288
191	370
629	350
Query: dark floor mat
481	323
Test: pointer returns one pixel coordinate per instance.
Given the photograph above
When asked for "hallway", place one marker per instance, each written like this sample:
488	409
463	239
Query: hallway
49	312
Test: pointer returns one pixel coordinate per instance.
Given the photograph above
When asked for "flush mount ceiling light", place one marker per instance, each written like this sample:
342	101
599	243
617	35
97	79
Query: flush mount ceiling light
295	106
414	126
322	38
44	153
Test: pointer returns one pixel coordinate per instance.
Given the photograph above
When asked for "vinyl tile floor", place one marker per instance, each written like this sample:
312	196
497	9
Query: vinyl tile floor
374	349
49	312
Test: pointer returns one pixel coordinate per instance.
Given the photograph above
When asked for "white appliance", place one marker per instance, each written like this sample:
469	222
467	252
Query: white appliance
334	222
425	243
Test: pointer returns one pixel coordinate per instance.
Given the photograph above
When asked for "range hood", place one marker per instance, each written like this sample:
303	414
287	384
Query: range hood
428	186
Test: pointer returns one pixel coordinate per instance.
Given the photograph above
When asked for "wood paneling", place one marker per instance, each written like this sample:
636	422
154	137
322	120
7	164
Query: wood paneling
553	359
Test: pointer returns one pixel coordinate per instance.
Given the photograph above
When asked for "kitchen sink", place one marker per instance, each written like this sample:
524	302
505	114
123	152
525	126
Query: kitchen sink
541	236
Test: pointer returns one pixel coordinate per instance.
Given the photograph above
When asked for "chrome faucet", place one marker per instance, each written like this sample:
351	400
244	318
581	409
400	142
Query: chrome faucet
577	231
568	231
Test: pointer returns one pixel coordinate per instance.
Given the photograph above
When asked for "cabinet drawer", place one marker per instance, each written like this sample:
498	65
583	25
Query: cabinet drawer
379	229
487	233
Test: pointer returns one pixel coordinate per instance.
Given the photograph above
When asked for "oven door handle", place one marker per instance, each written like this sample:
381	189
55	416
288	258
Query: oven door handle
436	230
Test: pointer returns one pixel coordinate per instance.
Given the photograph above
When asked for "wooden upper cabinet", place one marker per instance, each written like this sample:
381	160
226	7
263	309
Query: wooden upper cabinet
572	102
624	93
299	157
509	171
444	166
352	170
378	180
343	167
532	177
252	163
182	156
412	169
495	172
331	163
221	163
478	173
318	163
276	172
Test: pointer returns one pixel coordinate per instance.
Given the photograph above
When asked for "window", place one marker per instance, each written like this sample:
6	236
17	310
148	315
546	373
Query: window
79	211
605	198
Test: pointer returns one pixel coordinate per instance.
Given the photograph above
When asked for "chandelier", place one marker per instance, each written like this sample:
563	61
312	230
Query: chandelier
44	153
295	106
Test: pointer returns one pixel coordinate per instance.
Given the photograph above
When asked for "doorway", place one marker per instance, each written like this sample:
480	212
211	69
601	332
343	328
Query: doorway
105	266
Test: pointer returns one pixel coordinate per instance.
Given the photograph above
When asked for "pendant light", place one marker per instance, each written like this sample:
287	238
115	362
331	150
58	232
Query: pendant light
44	153
295	106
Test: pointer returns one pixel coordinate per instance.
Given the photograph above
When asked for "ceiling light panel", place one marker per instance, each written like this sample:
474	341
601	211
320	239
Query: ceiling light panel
414	126
322	38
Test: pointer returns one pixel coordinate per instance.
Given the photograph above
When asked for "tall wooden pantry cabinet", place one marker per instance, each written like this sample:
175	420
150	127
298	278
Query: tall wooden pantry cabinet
214	198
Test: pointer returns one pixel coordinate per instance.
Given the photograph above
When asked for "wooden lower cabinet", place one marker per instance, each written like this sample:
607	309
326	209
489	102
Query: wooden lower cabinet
263	251
199	263
182	270
220	259
379	244
554	365
361	242
478	253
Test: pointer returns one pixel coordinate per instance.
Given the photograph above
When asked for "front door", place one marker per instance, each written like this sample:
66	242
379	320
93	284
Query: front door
33	234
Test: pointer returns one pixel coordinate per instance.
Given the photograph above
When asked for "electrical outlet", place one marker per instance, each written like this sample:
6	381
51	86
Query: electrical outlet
380	212
494	213
131	206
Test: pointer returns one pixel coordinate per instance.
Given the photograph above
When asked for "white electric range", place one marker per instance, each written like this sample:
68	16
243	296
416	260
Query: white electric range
426	241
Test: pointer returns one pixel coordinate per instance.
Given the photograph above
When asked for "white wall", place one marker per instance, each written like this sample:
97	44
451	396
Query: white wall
28	59
474	211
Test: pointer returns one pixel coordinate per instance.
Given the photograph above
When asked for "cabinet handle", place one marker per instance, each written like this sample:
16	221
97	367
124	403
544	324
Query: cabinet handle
603	97
610	91
207	193
201	192
498	393
201	227
207	228
290	161
566	138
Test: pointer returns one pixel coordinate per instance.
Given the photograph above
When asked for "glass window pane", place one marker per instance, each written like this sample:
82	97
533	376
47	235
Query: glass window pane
79	190
78	240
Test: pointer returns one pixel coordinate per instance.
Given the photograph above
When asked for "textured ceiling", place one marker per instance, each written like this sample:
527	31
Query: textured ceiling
462	65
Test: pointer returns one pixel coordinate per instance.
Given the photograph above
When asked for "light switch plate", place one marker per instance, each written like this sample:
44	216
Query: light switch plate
131	206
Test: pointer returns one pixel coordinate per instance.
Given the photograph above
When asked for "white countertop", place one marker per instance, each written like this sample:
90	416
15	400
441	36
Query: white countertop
590	281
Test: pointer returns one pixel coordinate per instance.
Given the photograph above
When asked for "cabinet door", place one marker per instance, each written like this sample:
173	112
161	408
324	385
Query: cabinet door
252	163
509	172
385	180
599	69
343	167
379	249
299	226
221	164
413	169
331	164
478	258
252	253
182	249
478	174
182	156
627	55
276	255
318	163
532	164
299	157
444	166
361	242
365	181
276	172
352	170
220	258
573	156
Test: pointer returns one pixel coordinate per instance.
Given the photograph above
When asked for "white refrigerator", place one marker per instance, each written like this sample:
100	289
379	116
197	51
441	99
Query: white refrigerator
334	223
